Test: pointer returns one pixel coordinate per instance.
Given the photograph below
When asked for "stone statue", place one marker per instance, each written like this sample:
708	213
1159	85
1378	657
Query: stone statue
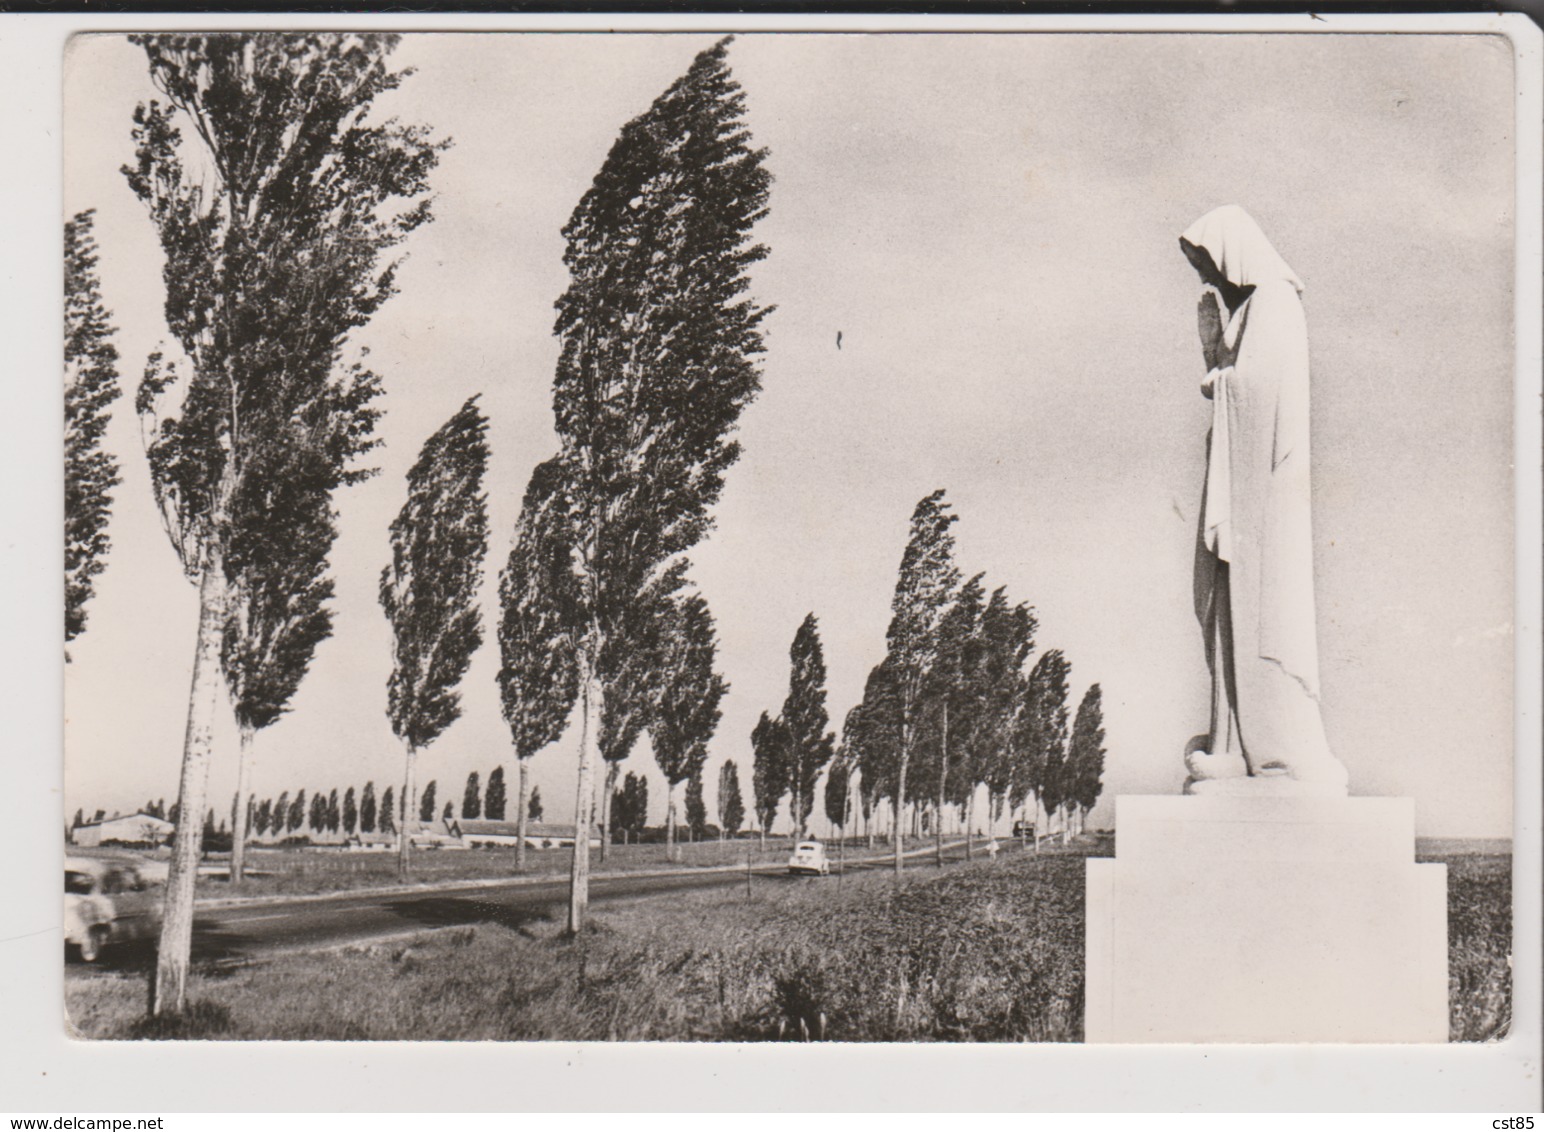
1254	551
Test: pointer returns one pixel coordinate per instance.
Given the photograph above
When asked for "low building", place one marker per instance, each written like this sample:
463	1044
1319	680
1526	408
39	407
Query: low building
372	842
133	829
538	834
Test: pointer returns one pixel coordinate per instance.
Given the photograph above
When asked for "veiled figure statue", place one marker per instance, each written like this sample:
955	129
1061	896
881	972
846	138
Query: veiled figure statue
1254	590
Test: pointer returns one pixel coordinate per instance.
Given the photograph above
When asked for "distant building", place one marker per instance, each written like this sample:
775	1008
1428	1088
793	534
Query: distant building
373	842
436	835
538	834
134	829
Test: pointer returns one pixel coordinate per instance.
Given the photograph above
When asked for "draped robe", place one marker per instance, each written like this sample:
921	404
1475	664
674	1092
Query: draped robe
1254	588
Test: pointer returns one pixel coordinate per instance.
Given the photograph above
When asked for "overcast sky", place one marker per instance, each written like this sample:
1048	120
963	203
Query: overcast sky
991	224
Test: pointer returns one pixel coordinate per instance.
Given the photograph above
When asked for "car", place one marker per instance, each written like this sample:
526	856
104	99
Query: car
809	857
107	902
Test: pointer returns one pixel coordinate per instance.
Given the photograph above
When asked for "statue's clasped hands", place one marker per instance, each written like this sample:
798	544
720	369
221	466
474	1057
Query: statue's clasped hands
1214	348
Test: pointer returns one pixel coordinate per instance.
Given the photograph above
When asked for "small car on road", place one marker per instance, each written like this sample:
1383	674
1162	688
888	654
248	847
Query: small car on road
809	857
107	902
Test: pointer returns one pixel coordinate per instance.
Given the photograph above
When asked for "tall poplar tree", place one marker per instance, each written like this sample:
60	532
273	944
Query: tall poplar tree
426	802
367	809
731	803
871	734
350	812
90	388
838	799
278	204
922	595
810	745
696	807
471	799
390	807
690	692
495	801
429	589
658	342
769	770
536	676
1044	723
1009	632
1085	753
952	704
277	612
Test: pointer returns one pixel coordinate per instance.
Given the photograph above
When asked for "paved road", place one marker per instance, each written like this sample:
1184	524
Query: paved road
237	934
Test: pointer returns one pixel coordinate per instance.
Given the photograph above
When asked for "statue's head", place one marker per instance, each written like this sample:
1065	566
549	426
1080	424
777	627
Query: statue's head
1230	252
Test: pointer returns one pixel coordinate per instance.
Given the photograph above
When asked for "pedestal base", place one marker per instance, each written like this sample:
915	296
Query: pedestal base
1265	919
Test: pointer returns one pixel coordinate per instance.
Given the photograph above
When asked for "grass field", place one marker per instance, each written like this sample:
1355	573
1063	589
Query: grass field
990	951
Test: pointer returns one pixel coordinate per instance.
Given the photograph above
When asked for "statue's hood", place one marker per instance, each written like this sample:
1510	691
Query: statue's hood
1239	249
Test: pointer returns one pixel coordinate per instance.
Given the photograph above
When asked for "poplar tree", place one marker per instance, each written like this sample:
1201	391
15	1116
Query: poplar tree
658	342
536	675
696	807
425	803
631	668
871	736
631	805
278	206
350	812
429	589
1085	752
471	799
838	802
277	613
1045	730
810	745
1009	633
690	692
296	818
769	770
367	809
923	592
389	809
731	803
952	704
494	802
90	388
534	806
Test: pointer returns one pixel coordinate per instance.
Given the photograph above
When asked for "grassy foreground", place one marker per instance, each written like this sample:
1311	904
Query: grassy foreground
989	951
1479	944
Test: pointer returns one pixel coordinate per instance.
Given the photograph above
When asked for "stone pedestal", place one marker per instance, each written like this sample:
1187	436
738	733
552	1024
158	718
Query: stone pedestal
1265	919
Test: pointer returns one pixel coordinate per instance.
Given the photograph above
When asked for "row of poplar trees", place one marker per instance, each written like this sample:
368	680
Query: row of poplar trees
950	711
280	205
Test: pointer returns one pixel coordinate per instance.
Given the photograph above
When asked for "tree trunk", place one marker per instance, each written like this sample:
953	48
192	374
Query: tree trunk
612	771
1066	820
670	848
170	990
520	815
900	789
763	837
943	782
239	818
409	815
970	817
592	698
